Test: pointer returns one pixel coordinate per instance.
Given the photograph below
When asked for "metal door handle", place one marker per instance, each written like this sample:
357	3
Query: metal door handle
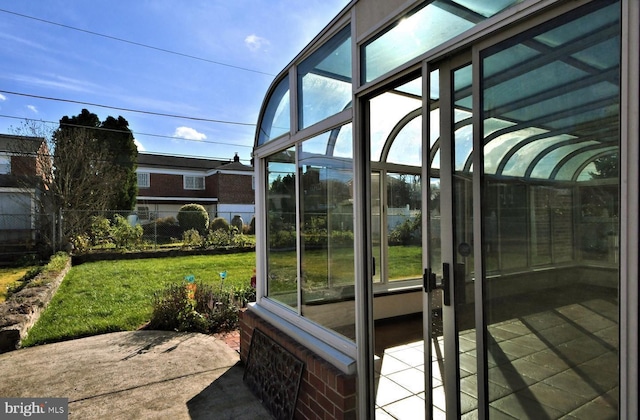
429	283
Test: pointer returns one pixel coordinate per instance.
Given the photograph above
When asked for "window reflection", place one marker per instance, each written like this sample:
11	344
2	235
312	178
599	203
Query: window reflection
281	228
324	80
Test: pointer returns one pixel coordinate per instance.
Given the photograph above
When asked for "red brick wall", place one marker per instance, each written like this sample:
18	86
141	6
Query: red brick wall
166	185
325	392
235	189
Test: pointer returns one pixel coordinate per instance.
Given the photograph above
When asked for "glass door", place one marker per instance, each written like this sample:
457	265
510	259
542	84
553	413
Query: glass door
449	299
549	151
521	312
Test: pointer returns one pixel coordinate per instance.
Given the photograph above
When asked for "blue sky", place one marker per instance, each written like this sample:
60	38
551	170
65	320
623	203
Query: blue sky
253	40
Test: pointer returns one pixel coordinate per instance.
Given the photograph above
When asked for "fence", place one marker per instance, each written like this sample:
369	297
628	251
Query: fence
148	229
26	233
51	232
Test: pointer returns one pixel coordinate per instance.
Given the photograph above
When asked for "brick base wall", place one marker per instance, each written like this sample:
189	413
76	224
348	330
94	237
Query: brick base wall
325	392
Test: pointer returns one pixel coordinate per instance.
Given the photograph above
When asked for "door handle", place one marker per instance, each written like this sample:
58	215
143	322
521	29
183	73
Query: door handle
429	283
446	285
429	280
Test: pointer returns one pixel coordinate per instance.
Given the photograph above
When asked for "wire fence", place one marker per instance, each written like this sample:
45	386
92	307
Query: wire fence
92	230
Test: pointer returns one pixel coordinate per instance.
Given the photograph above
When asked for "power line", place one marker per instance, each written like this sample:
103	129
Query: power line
124	131
139	44
127	109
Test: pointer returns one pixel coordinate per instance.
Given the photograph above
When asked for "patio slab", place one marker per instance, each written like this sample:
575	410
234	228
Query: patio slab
139	374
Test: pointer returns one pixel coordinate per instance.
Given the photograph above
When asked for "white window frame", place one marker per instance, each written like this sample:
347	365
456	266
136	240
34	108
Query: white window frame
144	180
191	182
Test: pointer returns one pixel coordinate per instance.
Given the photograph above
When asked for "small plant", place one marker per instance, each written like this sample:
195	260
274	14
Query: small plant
219	223
218	239
124	234
193	216
210	310
192	238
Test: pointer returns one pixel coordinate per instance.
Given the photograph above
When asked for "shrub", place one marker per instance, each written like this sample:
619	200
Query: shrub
407	233
191	237
218	239
125	235
193	216
219	223
252	226
99	231
211	310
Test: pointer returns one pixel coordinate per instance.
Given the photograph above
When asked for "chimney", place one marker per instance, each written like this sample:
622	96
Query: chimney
236	158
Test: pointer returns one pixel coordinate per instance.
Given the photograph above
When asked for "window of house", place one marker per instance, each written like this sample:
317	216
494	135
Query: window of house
193	182
143	180
5	164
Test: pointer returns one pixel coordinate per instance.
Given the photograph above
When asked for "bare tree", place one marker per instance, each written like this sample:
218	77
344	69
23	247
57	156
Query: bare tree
81	177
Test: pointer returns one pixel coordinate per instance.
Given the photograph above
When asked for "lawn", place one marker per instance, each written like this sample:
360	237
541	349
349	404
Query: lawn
9	276
109	296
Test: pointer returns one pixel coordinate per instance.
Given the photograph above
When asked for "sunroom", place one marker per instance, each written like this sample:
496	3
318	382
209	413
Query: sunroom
453	180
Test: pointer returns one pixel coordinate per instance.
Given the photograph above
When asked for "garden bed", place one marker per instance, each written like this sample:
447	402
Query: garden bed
22	309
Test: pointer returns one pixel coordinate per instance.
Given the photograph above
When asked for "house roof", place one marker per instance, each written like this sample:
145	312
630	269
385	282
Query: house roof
20	144
189	163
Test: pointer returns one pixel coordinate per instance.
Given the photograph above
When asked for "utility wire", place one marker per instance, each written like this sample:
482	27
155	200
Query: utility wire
125	131
139	44
127	109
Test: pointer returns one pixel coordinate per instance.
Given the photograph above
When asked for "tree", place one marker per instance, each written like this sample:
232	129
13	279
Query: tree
94	168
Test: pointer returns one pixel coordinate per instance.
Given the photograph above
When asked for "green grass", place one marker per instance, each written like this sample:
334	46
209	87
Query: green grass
10	277
110	296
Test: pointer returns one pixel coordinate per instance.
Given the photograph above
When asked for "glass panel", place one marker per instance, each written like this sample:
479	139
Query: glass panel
407	146
276	117
550	245
282	263
463	243
404	223
326	218
386	111
376	225
324	80
422	30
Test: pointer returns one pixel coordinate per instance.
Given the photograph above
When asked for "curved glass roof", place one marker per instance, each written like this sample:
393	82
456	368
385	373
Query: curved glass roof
555	132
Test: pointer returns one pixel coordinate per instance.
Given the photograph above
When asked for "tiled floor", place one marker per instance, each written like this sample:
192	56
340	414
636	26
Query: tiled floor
558	363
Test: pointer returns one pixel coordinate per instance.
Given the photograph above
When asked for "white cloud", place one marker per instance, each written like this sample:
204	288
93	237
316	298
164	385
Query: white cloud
255	42
2	97
33	109
188	133
139	145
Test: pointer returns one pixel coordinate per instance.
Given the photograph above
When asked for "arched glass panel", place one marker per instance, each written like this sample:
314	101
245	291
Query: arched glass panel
497	148
386	110
324	80
547	164
276	118
518	164
407	146
569	169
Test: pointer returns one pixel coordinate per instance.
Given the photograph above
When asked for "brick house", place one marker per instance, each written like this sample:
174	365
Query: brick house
165	183
25	165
